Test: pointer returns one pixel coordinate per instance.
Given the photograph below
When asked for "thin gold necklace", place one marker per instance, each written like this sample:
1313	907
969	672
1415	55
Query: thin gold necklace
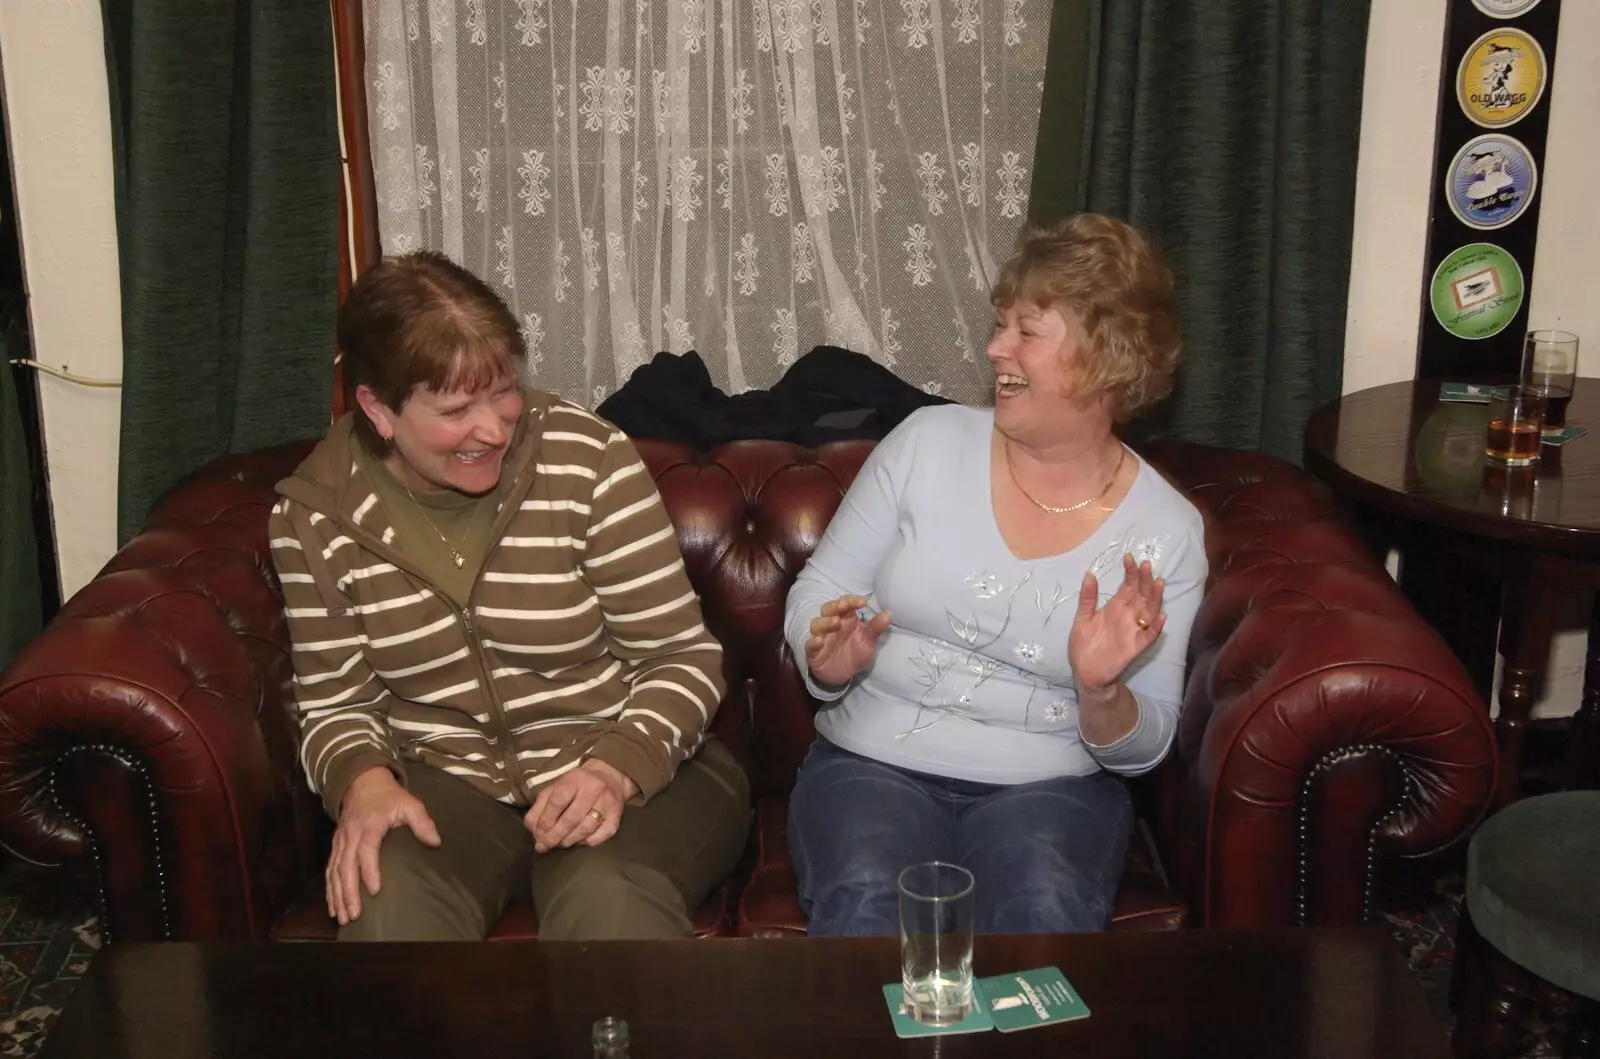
1080	505
455	556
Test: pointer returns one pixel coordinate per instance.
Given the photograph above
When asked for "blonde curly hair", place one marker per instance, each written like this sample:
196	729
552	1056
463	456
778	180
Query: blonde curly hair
1111	282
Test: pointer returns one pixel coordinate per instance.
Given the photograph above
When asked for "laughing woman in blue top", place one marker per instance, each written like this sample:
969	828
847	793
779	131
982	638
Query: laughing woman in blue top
998	615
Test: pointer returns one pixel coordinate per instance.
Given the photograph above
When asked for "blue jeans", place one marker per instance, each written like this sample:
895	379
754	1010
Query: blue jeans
1047	856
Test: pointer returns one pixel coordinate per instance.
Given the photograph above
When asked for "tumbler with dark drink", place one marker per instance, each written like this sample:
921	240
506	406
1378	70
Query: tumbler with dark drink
1555	408
1549	368
1516	419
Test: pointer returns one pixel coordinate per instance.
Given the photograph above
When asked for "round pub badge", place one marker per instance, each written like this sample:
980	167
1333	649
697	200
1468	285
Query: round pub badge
1501	78
1476	291
1505	8
1491	181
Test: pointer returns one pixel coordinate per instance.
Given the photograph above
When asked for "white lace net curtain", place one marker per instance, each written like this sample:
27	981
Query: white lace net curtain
744	178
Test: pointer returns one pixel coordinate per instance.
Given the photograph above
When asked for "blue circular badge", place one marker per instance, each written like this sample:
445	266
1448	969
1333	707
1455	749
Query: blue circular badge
1491	181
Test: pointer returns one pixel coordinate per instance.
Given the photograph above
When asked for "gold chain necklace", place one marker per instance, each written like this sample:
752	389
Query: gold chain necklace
1080	505
455	556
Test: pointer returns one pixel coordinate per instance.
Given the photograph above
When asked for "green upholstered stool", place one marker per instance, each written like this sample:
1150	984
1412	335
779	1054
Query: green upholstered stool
1530	939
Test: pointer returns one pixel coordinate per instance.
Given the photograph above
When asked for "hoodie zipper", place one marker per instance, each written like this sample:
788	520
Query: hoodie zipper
508	757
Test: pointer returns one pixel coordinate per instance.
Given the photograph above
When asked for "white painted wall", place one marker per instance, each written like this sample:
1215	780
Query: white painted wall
1394	178
1393	187
53	81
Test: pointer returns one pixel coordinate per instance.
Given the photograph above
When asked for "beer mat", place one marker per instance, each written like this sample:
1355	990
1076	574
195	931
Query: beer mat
1025	999
905	1026
1562	436
1465	393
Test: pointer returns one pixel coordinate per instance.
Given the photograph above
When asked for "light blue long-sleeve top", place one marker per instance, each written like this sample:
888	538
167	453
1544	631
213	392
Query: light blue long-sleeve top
971	679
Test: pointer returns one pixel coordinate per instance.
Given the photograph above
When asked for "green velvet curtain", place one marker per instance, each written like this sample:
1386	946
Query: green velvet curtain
1228	129
228	169
21	595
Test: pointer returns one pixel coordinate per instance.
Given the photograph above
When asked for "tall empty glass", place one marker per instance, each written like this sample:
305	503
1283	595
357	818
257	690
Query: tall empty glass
936	908
1549	368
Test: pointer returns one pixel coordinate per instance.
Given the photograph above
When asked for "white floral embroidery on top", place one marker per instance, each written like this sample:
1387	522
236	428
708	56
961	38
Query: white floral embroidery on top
1028	651
1149	550
1057	597
986	585
966	630
933	666
1057	710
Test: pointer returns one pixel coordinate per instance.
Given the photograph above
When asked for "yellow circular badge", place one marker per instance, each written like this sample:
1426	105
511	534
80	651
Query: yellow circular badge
1501	78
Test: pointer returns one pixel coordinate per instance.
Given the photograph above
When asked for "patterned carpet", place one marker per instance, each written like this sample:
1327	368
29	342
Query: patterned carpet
49	933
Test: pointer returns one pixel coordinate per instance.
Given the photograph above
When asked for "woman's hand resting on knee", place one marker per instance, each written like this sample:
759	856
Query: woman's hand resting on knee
584	805
841	644
374	805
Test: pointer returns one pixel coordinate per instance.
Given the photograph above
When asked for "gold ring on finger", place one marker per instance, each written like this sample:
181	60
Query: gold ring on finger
598	816
1142	623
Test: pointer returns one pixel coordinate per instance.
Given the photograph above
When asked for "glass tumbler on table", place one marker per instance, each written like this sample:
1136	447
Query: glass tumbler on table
936	912
1516	419
1549	369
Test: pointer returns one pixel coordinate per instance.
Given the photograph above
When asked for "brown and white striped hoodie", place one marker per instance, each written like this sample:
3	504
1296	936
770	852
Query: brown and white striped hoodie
581	636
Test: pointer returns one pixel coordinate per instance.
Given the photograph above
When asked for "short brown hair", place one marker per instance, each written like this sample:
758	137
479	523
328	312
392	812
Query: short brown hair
1114	280
420	319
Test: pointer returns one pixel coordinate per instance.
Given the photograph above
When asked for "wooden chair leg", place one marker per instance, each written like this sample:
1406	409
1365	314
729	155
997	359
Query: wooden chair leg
1500	1006
1492	1003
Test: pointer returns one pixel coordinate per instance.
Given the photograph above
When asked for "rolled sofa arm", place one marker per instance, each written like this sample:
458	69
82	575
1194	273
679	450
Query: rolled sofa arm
144	728
1326	729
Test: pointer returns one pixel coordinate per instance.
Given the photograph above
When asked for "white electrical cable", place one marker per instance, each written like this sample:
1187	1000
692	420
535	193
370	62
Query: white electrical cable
62	373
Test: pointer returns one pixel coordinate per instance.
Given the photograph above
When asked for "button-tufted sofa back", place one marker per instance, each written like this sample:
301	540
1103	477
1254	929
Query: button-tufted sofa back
1324	724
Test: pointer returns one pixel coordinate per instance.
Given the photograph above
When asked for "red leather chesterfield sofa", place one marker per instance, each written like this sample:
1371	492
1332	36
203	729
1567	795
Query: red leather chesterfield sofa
1326	729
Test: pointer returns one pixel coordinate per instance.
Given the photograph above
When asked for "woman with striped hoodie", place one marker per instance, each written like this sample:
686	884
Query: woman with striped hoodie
502	677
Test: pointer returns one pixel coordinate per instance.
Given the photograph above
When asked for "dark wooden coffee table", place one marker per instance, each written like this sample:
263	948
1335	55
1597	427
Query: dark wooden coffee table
1400	452
1326	993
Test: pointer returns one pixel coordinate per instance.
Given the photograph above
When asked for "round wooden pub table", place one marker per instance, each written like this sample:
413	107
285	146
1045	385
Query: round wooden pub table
1402	453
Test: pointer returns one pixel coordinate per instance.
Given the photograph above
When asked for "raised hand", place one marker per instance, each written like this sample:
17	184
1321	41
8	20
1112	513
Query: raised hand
1105	640
374	805
841	644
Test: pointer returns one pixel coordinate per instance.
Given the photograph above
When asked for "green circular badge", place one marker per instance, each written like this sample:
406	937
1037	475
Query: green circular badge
1476	291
